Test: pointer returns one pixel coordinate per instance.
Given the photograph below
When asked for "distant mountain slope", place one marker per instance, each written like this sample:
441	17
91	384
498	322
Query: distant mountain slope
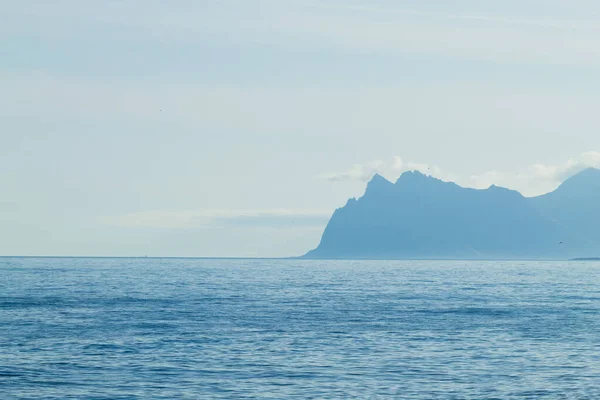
575	205
423	217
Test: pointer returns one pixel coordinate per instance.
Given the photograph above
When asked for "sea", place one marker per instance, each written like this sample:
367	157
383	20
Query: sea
149	328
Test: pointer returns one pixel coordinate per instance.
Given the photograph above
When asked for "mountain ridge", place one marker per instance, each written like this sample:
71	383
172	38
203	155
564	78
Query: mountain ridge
420	216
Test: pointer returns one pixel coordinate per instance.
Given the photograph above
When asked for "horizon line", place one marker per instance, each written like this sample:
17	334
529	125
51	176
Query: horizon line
295	258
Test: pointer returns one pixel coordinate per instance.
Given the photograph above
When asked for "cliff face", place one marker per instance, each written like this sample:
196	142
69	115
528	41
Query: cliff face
423	217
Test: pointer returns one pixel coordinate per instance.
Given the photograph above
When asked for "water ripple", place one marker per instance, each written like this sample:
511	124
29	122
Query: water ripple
223	329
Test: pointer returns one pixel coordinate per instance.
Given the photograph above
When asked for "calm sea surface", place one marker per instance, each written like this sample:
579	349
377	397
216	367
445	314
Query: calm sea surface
227	329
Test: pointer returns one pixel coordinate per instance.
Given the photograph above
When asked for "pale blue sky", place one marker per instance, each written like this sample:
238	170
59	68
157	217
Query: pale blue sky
235	128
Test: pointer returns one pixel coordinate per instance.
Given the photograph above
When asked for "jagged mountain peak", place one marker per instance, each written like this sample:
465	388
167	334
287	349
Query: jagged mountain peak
379	179
415	176
420	216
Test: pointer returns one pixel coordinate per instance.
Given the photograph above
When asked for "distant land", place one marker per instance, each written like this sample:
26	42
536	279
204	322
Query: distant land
421	217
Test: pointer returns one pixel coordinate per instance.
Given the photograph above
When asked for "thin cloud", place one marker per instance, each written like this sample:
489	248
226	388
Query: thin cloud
391	169
558	173
539	22
501	36
468	36
275	218
534	180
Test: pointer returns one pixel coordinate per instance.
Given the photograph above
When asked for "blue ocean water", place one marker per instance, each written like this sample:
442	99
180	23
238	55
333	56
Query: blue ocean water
273	329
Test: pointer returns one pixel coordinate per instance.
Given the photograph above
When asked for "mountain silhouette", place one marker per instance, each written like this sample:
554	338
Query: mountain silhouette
575	205
423	217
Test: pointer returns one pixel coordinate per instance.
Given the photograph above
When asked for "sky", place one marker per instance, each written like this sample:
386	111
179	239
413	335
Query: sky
236	127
